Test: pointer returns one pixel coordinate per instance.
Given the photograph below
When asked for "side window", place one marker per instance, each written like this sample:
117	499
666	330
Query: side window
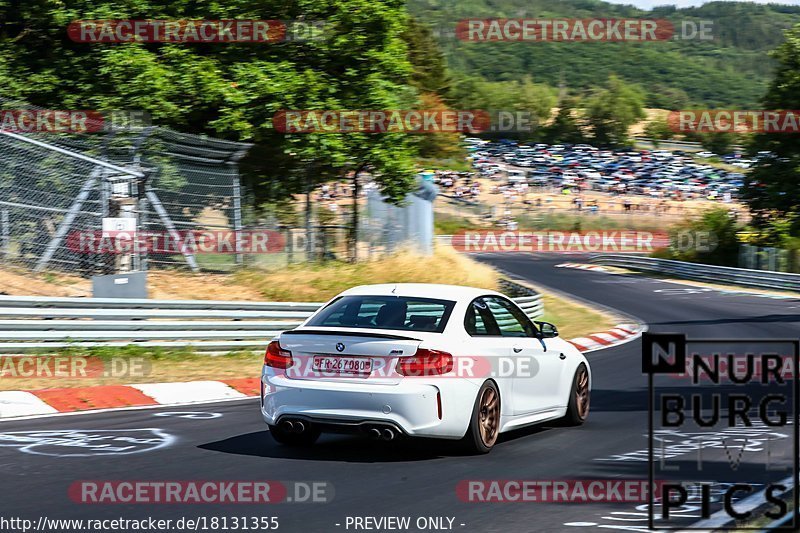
479	320
511	322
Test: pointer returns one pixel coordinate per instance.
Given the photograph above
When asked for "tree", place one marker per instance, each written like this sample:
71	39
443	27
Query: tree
565	127
715	230
771	189
666	97
611	110
657	130
232	91
431	79
430	69
439	145
719	143
535	99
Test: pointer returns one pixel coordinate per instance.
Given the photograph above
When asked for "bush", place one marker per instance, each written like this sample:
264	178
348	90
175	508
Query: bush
711	239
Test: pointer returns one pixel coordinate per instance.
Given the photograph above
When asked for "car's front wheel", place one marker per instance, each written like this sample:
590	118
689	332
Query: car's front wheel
307	437
484	426
578	406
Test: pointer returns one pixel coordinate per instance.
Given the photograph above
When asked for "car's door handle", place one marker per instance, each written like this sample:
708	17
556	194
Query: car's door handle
517	350
562	356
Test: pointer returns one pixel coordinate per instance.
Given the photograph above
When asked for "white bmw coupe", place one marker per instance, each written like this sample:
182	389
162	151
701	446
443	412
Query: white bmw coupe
420	360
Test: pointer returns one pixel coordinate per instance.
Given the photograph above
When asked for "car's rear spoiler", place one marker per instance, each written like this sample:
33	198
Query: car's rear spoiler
348	333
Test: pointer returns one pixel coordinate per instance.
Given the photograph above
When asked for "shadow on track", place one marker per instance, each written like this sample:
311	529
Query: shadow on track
354	449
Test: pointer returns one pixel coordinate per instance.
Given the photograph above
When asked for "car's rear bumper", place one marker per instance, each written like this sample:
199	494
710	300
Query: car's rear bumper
412	406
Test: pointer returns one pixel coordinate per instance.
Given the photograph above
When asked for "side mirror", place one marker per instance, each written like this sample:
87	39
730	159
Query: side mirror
547	330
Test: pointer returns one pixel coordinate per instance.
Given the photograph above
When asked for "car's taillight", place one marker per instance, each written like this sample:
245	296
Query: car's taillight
277	357
425	363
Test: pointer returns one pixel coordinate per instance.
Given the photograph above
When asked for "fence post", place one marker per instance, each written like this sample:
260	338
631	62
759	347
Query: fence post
5	234
237	211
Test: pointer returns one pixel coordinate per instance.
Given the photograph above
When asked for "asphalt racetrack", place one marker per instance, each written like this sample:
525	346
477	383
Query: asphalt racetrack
228	441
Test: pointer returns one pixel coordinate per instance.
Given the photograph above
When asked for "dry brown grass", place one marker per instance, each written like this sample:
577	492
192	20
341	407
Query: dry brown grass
320	282
18	282
574	319
170	285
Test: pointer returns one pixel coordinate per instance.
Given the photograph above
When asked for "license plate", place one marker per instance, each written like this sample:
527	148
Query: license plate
342	365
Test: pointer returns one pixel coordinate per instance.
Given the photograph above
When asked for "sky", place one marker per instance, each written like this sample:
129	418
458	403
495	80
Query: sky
648	4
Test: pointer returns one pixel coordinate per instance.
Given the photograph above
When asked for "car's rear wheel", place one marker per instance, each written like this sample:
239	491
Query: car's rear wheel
484	426
307	437
578	406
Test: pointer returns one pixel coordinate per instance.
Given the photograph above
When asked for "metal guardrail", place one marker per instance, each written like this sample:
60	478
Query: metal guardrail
525	297
663	143
762	279
782	524
134	303
29	323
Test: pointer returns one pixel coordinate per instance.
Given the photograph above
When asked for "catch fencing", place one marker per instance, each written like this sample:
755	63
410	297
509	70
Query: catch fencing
31	323
761	279
57	187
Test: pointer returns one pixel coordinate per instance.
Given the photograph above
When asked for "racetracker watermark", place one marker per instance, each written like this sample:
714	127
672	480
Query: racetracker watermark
404	121
176	242
71	120
381	121
734	413
199	492
580	30
435	364
57	366
734	121
555	490
559	241
195	31
179	492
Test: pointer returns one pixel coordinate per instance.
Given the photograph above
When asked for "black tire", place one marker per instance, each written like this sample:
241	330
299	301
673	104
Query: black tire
484	424
578	406
306	438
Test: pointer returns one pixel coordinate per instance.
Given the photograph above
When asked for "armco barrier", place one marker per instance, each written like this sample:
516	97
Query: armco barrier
762	279
32	323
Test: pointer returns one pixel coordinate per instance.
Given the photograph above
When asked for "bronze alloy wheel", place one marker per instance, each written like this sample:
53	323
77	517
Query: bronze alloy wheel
489	412
582	393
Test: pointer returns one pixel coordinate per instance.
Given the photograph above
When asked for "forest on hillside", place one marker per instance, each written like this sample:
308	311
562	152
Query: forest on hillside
732	69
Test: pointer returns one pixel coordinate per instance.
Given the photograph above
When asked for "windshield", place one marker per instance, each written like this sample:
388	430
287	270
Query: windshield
386	312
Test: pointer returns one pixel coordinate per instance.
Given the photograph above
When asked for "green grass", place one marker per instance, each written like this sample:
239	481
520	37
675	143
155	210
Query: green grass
572	222
445	224
456	164
718	162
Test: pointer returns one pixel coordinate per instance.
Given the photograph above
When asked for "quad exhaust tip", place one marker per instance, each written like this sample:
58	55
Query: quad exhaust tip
382	432
293	427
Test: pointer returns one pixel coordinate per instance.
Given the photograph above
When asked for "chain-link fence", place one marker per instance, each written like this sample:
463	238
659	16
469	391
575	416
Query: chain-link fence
57	188
383	228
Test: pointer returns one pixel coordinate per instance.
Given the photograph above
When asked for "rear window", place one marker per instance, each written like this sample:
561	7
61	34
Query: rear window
386	312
